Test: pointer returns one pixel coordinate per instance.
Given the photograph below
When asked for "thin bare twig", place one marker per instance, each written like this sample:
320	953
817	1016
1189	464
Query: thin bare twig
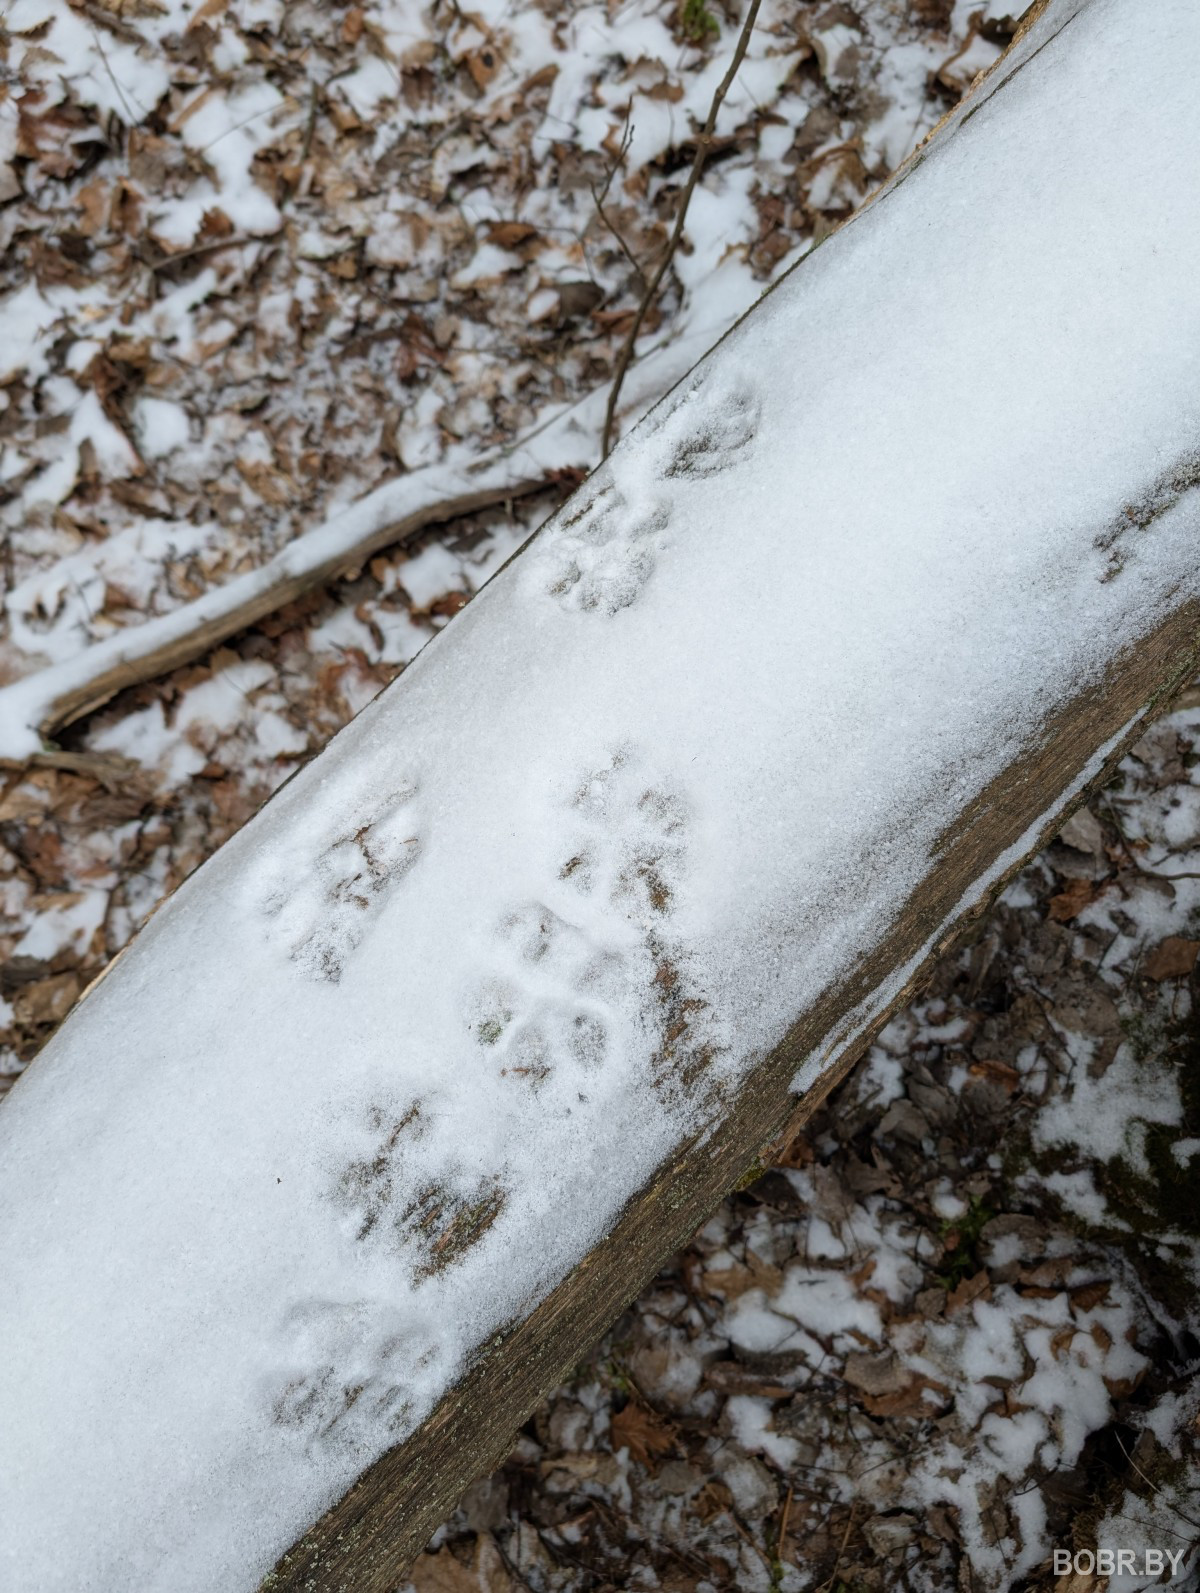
783	1526
837	1564
209	246
599	198
1153	1486
65	692
702	147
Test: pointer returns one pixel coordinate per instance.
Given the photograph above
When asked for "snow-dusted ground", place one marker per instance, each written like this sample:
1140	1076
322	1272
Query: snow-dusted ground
213	713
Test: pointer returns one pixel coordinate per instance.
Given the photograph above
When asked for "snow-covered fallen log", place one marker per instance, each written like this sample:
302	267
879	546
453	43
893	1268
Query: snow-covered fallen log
405	1092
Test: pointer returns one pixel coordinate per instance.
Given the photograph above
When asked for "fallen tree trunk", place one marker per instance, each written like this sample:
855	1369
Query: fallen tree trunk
393	1106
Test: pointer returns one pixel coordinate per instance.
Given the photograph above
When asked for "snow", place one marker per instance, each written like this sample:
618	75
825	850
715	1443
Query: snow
1102	1116
636	773
49	608
68	920
162	426
24	318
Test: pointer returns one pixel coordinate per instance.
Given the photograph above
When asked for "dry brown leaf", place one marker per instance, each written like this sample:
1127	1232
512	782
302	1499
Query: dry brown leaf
1173	958
483	64
132	8
643	1432
442	1573
93	201
932	13
996	1073
978	1287
1078	894
713	1499
272	485
876	1374
214	223
542	78
510	234
208	12
47	1000
908	1401
345	266
25	801
491	1573
41	851
1089	1295
1060	1342
446	606
732	1282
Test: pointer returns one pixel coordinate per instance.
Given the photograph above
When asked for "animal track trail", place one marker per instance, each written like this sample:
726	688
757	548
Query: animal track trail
320	913
593	957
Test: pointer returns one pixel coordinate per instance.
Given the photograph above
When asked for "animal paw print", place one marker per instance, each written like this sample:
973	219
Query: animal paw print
348	1378
703	433
594	960
550	1005
632	855
347	1370
322	912
434	1224
604	555
632	842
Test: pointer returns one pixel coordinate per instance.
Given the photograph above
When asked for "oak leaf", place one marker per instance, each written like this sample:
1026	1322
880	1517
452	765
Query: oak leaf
1078	894
643	1433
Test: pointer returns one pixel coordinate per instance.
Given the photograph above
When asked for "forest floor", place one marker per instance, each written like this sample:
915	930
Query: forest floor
259	259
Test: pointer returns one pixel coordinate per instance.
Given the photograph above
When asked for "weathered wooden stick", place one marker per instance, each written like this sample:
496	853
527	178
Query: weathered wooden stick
399	1099
43	703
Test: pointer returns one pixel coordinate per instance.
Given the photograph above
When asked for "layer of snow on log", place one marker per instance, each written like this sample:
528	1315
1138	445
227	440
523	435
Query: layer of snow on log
386	1067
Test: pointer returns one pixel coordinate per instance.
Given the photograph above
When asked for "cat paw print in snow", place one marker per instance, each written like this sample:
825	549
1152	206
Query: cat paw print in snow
630	857
578	971
321	909
549	1003
430	1216
631	839
603	554
707	429
343	1378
